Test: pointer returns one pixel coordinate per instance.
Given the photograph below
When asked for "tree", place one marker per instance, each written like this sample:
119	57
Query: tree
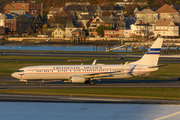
100	29
88	23
80	25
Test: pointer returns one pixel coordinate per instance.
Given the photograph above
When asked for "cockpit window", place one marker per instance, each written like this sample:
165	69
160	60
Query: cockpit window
20	71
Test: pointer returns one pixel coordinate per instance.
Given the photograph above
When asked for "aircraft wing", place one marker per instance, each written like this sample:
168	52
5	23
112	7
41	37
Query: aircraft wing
106	74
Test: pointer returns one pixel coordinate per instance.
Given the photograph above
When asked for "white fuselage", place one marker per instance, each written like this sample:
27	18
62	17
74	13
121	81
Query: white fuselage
64	72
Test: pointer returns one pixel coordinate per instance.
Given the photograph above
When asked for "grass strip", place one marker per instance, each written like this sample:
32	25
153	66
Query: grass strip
134	93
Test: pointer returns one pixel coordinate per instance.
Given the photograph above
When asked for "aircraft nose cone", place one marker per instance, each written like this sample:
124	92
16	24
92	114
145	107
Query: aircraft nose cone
14	75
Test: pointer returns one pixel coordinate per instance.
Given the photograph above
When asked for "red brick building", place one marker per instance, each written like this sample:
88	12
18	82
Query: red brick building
21	7
10	24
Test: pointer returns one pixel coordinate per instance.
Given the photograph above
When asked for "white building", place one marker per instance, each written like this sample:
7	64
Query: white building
2	18
139	29
166	28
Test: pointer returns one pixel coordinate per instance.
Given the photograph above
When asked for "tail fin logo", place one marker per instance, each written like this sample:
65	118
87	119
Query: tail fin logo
154	51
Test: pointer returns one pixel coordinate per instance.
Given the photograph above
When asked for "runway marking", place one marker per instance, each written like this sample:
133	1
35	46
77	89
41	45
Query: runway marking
168	116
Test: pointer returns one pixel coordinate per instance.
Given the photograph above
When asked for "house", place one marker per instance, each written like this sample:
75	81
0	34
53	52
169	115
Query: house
167	12
137	9
59	32
69	28
84	19
166	28
10	23
176	7
98	11
24	7
119	22
37	22
2	18
147	16
140	29
113	33
29	23
116	10
100	20
128	22
78	33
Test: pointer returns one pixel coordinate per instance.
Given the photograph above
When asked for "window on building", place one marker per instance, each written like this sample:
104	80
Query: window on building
97	20
20	24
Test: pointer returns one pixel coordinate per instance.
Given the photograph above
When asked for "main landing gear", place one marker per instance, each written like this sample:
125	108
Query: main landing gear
90	81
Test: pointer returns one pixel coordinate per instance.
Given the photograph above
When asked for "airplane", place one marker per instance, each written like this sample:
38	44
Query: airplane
88	73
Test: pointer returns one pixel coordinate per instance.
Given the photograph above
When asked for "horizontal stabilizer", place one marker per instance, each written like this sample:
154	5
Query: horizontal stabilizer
158	66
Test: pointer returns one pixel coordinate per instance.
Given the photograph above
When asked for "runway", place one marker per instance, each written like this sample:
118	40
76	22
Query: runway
7	82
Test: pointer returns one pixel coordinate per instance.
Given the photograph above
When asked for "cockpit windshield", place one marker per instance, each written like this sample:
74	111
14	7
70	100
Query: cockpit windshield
20	71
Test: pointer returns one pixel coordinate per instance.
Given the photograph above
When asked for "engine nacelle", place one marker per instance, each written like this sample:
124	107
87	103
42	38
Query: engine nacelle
77	79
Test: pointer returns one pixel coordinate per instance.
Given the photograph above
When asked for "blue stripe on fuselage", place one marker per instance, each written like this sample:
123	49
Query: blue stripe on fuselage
154	51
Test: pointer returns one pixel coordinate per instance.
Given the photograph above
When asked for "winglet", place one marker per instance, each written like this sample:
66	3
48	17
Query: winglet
124	66
94	62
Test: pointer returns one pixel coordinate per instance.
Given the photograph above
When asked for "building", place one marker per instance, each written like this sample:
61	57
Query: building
147	16
167	12
113	33
22	7
100	20
128	22
78	33
59	32
166	28
10	24
29	23
84	19
69	28
2	18
140	29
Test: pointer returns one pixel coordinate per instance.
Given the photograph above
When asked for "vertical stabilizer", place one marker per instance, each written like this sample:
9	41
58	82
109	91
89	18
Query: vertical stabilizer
151	57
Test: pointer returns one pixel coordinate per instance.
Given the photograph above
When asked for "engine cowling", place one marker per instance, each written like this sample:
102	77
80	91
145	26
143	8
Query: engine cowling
77	79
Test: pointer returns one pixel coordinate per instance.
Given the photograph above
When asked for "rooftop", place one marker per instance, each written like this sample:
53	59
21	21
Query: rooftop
166	9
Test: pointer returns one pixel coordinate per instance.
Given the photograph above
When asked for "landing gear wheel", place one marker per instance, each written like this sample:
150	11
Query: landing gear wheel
87	82
91	83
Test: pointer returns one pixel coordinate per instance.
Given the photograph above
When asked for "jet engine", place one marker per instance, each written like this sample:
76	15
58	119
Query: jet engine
77	79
